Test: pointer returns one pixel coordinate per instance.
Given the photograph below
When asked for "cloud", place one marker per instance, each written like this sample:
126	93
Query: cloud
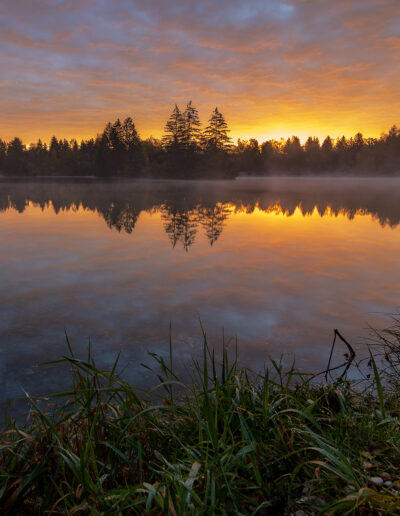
294	66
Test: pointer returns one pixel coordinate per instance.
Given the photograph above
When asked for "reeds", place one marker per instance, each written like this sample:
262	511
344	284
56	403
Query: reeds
227	442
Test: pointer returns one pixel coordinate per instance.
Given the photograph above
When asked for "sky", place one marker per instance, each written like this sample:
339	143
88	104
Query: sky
274	68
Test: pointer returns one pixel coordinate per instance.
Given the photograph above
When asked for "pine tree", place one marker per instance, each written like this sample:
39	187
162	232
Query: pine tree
327	145
105	136
191	134
133	162
103	154
64	146
116	137
54	146
174	129
16	157
216	133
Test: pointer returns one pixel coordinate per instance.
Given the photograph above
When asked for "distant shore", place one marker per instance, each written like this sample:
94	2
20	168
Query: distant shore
187	152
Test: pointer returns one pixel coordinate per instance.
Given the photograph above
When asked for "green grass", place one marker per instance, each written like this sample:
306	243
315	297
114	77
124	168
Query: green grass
227	442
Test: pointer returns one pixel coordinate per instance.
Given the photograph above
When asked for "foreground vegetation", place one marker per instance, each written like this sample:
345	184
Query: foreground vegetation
227	442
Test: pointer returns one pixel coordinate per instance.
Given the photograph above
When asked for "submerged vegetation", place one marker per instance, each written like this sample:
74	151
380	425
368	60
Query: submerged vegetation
187	151
227	442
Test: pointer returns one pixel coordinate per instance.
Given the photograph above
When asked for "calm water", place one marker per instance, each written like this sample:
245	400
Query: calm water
279	263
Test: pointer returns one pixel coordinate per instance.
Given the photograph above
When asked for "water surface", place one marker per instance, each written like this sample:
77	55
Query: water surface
277	263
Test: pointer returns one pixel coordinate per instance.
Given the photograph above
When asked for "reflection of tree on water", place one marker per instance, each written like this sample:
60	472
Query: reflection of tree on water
171	225
180	225
189	230
118	217
213	220
186	207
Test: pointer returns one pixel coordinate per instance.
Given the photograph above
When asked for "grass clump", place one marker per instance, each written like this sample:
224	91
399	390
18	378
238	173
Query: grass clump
228	442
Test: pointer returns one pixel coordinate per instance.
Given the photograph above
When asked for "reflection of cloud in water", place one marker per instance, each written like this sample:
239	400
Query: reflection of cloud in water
277	279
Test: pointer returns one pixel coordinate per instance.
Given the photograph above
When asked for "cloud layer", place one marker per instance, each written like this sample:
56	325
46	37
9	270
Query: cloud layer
273	67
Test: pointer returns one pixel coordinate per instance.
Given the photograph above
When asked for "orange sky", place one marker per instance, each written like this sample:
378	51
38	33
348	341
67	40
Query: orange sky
273	67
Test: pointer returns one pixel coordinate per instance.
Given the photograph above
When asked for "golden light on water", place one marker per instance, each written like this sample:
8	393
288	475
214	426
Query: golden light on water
314	224
277	263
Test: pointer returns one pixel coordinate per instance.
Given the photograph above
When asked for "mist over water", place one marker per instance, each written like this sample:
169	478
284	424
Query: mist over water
279	263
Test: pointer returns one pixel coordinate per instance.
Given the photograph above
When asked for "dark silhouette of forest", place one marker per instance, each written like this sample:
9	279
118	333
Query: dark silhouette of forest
188	208
188	152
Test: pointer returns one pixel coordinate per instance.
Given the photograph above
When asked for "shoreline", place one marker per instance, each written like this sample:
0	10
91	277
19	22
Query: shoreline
272	443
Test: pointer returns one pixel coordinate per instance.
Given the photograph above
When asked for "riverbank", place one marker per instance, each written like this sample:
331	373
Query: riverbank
231	442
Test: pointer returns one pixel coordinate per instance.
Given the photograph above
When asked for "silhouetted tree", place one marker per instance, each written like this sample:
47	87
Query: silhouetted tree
249	157
129	135
294	154
271	154
191	132
327	154
215	135
103	159
16	163
134	152
312	153
37	157
3	154
153	157
184	152
181	142
342	153
54	147
174	130
118	149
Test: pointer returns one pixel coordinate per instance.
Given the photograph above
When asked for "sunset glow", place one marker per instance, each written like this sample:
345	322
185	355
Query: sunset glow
274	68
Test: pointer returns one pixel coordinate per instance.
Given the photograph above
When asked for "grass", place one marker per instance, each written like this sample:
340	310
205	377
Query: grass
227	442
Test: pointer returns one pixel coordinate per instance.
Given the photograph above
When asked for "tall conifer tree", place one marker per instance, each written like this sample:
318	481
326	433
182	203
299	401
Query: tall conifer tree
174	129
191	125
216	133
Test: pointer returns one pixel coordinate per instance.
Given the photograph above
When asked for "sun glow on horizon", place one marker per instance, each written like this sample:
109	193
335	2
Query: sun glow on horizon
259	134
306	70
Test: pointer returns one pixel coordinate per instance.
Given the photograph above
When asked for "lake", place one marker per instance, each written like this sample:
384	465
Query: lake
277	263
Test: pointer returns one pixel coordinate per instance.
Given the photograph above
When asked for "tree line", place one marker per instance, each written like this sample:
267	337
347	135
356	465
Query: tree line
188	152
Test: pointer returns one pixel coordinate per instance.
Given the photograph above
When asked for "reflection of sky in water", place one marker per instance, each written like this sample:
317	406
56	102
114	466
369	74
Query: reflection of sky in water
280	283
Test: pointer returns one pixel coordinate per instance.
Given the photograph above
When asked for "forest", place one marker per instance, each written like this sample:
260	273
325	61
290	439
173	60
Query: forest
187	152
